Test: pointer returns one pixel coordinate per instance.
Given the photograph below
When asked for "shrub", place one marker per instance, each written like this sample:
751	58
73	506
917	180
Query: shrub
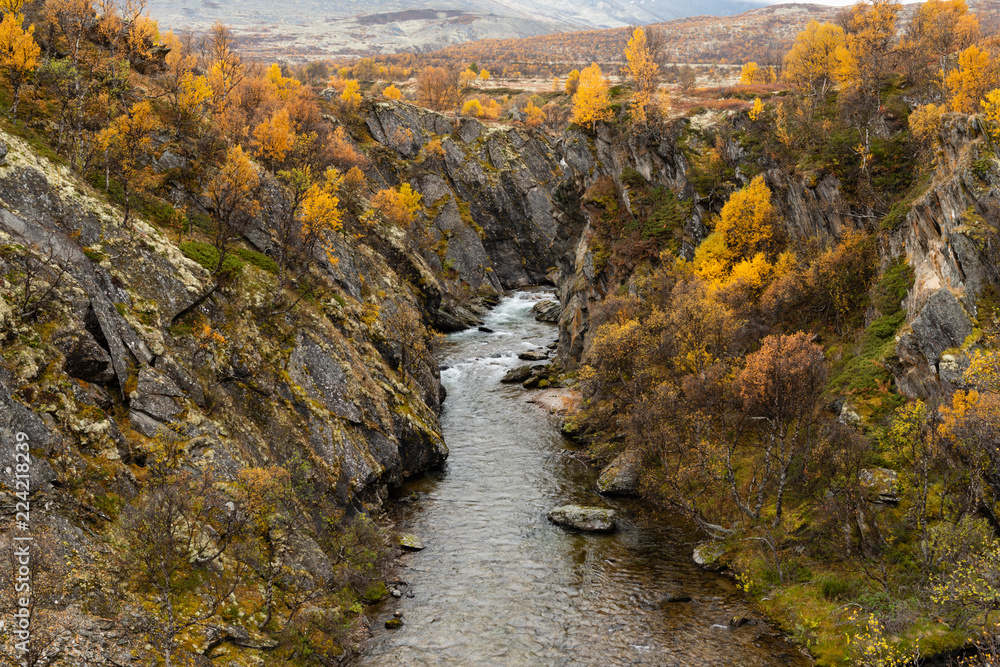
260	260
208	256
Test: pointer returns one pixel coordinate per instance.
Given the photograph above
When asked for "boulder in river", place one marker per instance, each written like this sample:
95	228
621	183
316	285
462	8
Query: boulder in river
591	519
534	355
621	477
410	541
519	374
547	311
708	555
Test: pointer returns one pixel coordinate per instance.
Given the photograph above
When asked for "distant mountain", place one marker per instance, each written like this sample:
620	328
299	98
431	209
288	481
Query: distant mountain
324	28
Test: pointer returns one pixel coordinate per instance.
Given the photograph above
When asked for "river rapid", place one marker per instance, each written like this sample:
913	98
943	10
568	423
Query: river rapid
498	584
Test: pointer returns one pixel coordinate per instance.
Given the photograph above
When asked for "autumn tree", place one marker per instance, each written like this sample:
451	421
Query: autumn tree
127	145
811	65
437	88
226	68
392	93
232	195
867	58
591	102
644	73
938	29
18	54
752	74
969	83
572	82
533	115
274	138
780	387
399	206
472	107
746	222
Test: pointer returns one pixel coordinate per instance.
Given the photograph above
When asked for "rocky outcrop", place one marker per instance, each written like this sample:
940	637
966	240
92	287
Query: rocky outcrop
937	237
547	311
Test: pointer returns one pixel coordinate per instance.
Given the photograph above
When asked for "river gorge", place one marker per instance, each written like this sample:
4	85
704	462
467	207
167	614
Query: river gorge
498	584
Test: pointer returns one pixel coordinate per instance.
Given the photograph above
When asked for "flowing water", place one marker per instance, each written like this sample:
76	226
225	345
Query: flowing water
498	584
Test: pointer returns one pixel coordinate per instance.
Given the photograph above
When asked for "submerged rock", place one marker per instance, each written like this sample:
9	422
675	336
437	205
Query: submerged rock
394	623
411	542
592	519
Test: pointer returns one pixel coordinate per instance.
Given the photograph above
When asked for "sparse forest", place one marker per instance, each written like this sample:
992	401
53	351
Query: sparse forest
782	263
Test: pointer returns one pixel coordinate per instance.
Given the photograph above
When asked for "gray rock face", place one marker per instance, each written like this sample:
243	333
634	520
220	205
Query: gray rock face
86	360
621	476
941	324
547	311
590	519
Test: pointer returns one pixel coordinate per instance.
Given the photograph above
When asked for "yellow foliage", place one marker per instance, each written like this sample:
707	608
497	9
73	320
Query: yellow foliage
812	62
867	55
753	274
472	107
194	92
400	207
572	82
757	109
925	121
18	53
484	75
752	74
746	222
392	92
284	86
711	259
466	78
535	117
351	97
991	112
320	213
274	138
11	6
590	104
643	71
969	82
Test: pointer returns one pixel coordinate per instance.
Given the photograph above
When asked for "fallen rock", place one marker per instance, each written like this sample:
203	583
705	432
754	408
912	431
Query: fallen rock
411	542
547	311
486	329
621	477
519	374
533	355
708	555
591	519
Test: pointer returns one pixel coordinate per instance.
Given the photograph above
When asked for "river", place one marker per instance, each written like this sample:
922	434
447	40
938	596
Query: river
498	584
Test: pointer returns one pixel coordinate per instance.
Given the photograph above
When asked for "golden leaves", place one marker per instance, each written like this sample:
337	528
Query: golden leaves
590	104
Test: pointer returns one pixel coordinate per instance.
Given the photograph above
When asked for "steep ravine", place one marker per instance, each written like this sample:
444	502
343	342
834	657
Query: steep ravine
498	584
